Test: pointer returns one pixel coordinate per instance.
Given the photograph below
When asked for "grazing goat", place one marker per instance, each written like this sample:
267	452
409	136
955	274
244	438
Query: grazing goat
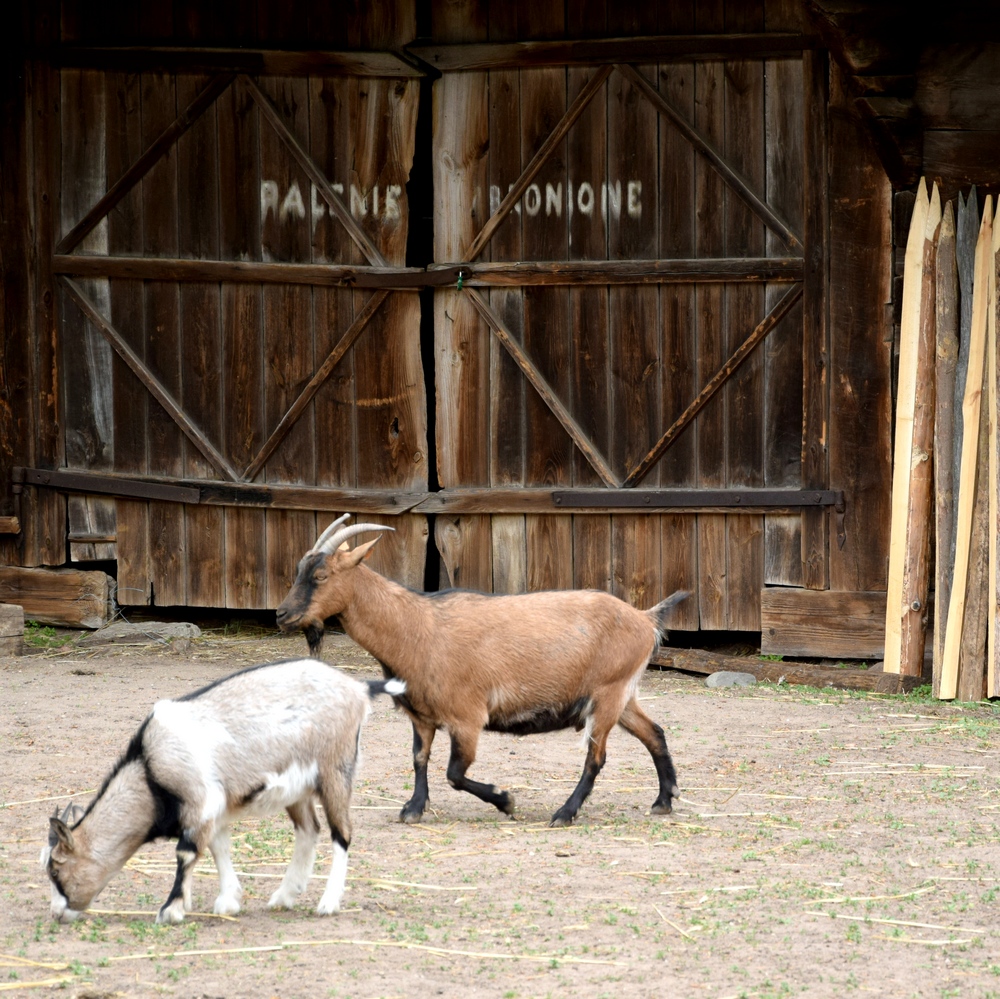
266	738
529	663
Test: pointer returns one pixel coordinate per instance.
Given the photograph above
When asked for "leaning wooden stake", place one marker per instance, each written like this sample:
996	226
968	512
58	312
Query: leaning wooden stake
909	335
946	359
916	556
970	446
993	306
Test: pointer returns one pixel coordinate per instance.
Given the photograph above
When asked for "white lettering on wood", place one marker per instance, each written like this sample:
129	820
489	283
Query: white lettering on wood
268	199
533	200
634	204
553	199
293	204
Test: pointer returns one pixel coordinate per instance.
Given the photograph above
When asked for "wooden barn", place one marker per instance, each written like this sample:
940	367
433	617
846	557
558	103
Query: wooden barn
571	295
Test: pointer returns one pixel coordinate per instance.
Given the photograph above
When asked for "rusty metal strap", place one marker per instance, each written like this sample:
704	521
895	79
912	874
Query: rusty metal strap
654	499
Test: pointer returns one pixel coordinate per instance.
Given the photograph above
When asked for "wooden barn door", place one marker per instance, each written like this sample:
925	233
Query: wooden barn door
238	358
635	349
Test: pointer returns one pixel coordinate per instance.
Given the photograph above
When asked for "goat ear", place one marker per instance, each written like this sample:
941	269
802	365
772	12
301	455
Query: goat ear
60	834
361	552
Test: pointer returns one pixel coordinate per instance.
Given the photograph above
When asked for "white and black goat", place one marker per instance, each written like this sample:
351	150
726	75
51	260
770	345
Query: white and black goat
528	663
267	738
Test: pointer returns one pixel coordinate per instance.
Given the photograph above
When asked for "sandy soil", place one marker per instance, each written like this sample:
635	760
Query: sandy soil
825	845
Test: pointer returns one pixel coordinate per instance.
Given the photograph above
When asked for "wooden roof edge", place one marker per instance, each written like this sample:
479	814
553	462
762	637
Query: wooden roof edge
285	62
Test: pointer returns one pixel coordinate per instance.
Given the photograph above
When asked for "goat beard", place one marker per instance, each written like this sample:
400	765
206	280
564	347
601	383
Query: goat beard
314	636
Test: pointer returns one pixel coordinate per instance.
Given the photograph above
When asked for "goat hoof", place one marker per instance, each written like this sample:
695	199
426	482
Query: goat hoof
661	808
559	821
226	906
410	817
171	914
507	805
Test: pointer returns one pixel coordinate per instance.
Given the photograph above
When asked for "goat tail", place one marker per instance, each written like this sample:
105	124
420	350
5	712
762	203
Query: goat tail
659	613
393	687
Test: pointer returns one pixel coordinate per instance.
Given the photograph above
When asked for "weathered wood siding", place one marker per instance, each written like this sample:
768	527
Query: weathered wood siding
235	356
626	359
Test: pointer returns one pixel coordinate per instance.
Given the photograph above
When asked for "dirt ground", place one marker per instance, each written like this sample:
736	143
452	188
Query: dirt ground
825	844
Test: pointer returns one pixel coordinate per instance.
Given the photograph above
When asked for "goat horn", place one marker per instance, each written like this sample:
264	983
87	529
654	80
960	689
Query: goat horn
345	533
330	530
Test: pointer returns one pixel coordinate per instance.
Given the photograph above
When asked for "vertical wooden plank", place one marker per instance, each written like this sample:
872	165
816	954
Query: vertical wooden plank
18	334
586	172
331	137
44	511
131	399
201	338
392	418
462	353
547	340
815	329
744	145
860	347
946	358
712	422
679	349
784	116
86	361
168	553
289	351
634	324
240	239
507	385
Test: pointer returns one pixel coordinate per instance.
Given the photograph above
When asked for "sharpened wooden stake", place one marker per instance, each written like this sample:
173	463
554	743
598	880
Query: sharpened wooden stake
916	556
909	335
946	361
971	404
993	266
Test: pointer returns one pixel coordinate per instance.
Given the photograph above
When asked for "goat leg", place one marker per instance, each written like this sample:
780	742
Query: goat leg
636	722
463	754
303	816
179	900
596	757
423	737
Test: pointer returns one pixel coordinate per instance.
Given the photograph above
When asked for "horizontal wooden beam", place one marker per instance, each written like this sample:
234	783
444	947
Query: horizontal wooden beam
10	525
658	499
482	275
597	51
259	62
483	500
600	272
808	674
251	272
70	598
213	492
801	622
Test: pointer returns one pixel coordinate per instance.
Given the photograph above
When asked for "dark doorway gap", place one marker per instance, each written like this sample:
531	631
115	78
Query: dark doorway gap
420	253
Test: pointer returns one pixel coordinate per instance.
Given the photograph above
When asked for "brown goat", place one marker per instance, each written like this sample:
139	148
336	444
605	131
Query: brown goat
535	662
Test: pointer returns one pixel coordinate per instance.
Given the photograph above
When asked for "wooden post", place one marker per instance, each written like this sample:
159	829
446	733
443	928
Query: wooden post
905	399
970	445
946	359
916	565
992	669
